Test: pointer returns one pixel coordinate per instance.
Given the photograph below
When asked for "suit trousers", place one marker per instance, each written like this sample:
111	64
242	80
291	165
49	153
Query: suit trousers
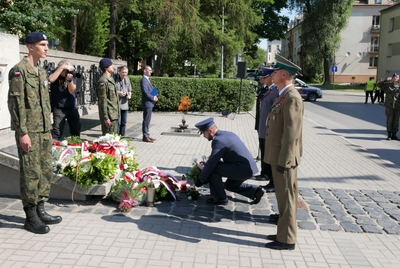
122	122
59	117
265	167
236	175
147	111
286	191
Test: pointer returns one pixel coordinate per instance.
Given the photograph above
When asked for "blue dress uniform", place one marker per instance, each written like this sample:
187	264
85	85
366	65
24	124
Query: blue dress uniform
237	165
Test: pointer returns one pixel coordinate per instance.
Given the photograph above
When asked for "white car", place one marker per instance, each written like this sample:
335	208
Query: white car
306	91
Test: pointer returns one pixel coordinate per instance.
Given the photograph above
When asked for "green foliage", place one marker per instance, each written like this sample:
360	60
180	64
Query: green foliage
254	60
74	140
208	95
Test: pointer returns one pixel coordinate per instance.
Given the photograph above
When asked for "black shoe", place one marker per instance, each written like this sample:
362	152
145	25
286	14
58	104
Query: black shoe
269	188
280	246
261	177
271	237
217	201
45	217
394	137
33	223
274	216
258	195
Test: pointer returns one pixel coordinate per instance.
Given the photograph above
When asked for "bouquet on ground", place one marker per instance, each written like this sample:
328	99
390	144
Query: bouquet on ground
197	167
192	193
131	190
93	163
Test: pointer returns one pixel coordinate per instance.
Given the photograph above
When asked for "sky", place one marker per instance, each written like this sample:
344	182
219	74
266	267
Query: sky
264	43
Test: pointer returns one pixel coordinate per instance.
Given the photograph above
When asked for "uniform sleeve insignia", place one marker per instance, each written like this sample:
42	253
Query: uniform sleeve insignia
17	74
282	100
102	84
271	93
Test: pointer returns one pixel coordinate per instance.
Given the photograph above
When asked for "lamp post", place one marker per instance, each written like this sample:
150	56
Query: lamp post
222	49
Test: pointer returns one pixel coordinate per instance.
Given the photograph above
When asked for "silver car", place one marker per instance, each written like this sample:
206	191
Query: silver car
308	92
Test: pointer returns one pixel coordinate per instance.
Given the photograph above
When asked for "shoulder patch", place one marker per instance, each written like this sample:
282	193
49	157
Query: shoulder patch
102	84
17	74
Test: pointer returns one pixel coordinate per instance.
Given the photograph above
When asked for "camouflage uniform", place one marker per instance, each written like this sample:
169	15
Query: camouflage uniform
108	103
392	105
29	106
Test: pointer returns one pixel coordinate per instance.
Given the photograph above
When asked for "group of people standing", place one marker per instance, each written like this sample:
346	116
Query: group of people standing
31	104
279	126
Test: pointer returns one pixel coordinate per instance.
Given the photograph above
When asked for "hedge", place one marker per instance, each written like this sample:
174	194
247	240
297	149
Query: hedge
206	94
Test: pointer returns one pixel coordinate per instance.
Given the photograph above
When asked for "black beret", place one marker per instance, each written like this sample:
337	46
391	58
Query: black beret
35	37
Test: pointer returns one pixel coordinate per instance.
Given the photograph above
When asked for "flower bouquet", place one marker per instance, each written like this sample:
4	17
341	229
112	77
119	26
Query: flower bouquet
192	193
196	169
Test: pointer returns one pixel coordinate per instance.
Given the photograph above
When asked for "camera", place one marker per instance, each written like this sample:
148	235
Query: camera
75	74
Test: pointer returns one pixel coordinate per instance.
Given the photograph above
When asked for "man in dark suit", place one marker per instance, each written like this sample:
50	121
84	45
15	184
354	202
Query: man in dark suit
267	99
148	101
238	165
283	143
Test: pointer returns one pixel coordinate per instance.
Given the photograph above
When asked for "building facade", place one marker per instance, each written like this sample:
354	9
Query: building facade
389	42
356	59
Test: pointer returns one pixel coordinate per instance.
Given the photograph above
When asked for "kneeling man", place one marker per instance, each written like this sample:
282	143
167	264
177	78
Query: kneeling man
238	165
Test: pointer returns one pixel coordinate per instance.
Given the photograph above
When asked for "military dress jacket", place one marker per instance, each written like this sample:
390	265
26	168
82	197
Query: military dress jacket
107	99
392	100
284	130
29	99
228	147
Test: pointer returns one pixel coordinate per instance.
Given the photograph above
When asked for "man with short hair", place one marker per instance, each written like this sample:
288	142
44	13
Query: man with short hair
148	101
238	165
109	110
283	144
63	100
29	107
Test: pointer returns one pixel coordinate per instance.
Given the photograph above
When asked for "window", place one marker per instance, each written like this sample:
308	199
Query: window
374	44
269	48
378	1
389	51
375	20
277	47
373	62
391	25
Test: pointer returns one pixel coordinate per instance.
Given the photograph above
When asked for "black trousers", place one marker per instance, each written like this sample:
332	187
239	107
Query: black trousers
59	117
265	167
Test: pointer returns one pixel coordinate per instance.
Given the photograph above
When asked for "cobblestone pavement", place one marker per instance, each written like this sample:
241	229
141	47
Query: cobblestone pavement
348	211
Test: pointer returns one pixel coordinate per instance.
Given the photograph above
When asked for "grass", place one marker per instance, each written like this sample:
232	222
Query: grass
346	87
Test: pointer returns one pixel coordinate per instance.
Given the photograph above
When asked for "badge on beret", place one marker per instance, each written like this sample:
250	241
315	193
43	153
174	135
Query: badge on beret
17	74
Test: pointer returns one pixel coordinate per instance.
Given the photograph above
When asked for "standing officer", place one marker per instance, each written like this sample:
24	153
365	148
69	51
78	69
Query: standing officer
63	100
29	106
109	110
267	100
238	165
392	105
283	143
148	101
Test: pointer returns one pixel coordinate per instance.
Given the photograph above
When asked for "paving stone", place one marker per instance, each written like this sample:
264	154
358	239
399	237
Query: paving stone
307	225
394	229
318	209
371	229
356	211
330	227
315	202
323	218
364	220
362	199
396	216
351	227
303	215
344	218
332	202
396	201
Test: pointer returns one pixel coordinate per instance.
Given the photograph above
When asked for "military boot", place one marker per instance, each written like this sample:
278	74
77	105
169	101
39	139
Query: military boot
389	136
46	218
394	136
33	223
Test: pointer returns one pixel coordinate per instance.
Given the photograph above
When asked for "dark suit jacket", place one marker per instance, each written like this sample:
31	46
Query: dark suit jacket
228	147
284	130
146	88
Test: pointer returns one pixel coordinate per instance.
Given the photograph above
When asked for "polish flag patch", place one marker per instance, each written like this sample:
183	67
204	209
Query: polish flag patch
17	74
102	84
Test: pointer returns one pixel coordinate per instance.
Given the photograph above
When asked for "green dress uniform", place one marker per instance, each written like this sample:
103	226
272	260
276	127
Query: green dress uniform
29	106
392	107
108	103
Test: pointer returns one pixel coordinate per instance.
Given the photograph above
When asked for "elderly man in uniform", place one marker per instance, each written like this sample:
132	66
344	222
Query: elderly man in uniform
283	143
269	96
109	110
29	107
238	165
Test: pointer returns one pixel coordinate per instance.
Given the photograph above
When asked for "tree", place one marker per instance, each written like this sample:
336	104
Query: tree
255	60
323	22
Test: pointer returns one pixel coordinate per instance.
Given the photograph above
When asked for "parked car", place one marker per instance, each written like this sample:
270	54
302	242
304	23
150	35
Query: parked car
308	92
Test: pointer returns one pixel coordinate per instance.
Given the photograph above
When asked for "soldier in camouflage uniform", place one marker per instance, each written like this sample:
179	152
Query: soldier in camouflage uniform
109	110
392	105
29	106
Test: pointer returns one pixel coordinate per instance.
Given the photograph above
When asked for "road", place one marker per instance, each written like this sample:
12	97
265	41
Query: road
345	114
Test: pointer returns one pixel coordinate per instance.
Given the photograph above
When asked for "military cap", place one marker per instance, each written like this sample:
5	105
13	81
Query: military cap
265	72
105	63
35	37
205	124
283	63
